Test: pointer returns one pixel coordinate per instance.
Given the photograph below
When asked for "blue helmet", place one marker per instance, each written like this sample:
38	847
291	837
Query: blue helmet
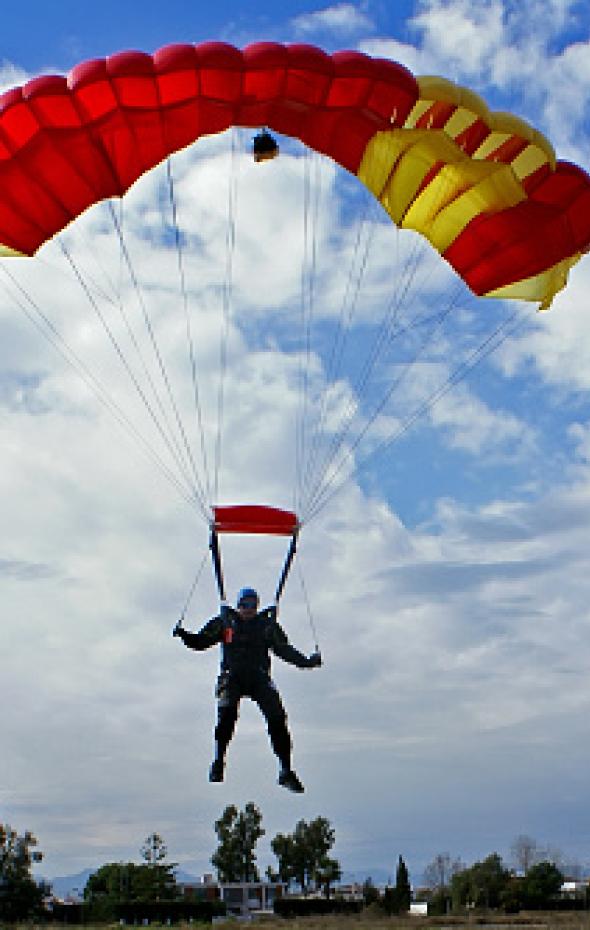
247	594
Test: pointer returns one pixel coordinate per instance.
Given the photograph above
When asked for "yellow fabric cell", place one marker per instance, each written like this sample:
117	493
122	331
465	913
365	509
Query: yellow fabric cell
437	88
491	143
417	112
543	143
471	101
460	120
540	288
530	160
497	189
379	157
386	148
423	150
446	187
510	125
432	88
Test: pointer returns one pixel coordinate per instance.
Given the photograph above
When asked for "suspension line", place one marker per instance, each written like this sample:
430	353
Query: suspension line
189	334
159	359
307	603
489	345
49	331
169	444
227	301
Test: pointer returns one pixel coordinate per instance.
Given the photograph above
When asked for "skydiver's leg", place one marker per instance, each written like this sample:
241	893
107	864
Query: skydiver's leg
228	702
269	701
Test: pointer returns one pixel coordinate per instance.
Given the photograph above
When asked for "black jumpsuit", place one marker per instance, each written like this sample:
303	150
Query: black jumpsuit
245	672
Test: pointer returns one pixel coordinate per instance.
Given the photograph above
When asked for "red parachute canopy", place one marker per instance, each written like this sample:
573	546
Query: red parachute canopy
483	187
254	518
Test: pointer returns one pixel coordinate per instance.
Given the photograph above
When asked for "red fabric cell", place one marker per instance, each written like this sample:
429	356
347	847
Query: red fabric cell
309	72
220	69
18	124
508	151
93	93
562	185
436	115
393	93
515	244
471	138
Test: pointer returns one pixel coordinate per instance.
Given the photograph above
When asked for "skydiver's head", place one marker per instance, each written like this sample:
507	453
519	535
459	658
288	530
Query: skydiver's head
248	603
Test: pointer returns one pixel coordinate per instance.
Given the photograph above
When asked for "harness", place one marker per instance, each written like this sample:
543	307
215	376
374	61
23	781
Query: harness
245	644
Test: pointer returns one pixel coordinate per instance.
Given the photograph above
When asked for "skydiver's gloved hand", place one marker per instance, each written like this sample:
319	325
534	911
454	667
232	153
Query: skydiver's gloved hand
178	630
314	660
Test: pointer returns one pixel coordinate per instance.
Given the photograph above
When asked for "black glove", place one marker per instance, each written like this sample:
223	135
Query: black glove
178	631
315	660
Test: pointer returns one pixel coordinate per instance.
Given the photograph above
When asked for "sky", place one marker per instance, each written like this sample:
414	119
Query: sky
448	577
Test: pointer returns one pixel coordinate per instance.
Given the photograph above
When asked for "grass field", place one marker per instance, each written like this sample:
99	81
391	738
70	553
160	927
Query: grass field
576	920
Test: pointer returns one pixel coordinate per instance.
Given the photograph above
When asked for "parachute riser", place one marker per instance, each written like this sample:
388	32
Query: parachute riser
217	569
286	567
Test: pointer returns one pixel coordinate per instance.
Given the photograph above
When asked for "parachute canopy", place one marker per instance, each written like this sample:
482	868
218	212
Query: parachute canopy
483	187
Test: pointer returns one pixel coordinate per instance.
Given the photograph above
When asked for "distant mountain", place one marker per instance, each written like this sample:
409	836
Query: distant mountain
182	876
65	886
70	885
73	885
378	876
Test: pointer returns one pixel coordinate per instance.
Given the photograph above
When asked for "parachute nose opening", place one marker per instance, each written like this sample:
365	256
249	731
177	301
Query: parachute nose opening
264	146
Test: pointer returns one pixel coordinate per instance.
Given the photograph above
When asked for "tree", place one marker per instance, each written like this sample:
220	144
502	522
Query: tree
438	875
370	892
483	885
303	855
525	852
20	895
540	885
283	848
154	849
237	832
439	872
403	890
118	883
327	874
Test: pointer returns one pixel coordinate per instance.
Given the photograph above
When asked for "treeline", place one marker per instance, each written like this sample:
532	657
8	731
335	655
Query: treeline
133	892
124	890
490	885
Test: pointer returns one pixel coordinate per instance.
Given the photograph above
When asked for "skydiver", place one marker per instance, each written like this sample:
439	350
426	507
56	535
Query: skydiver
246	636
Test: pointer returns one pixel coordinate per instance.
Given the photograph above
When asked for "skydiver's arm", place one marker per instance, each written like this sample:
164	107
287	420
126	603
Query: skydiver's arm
282	648
209	635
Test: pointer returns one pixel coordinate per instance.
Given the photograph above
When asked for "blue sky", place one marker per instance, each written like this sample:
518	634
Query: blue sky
448	579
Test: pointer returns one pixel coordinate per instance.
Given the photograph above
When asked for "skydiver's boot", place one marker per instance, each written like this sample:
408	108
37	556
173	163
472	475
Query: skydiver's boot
281	743
216	771
288	779
218	765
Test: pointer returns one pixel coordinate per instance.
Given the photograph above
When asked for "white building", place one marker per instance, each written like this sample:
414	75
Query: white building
241	899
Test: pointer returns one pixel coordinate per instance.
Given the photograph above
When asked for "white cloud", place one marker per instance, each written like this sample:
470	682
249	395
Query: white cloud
11	75
558	343
340	18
